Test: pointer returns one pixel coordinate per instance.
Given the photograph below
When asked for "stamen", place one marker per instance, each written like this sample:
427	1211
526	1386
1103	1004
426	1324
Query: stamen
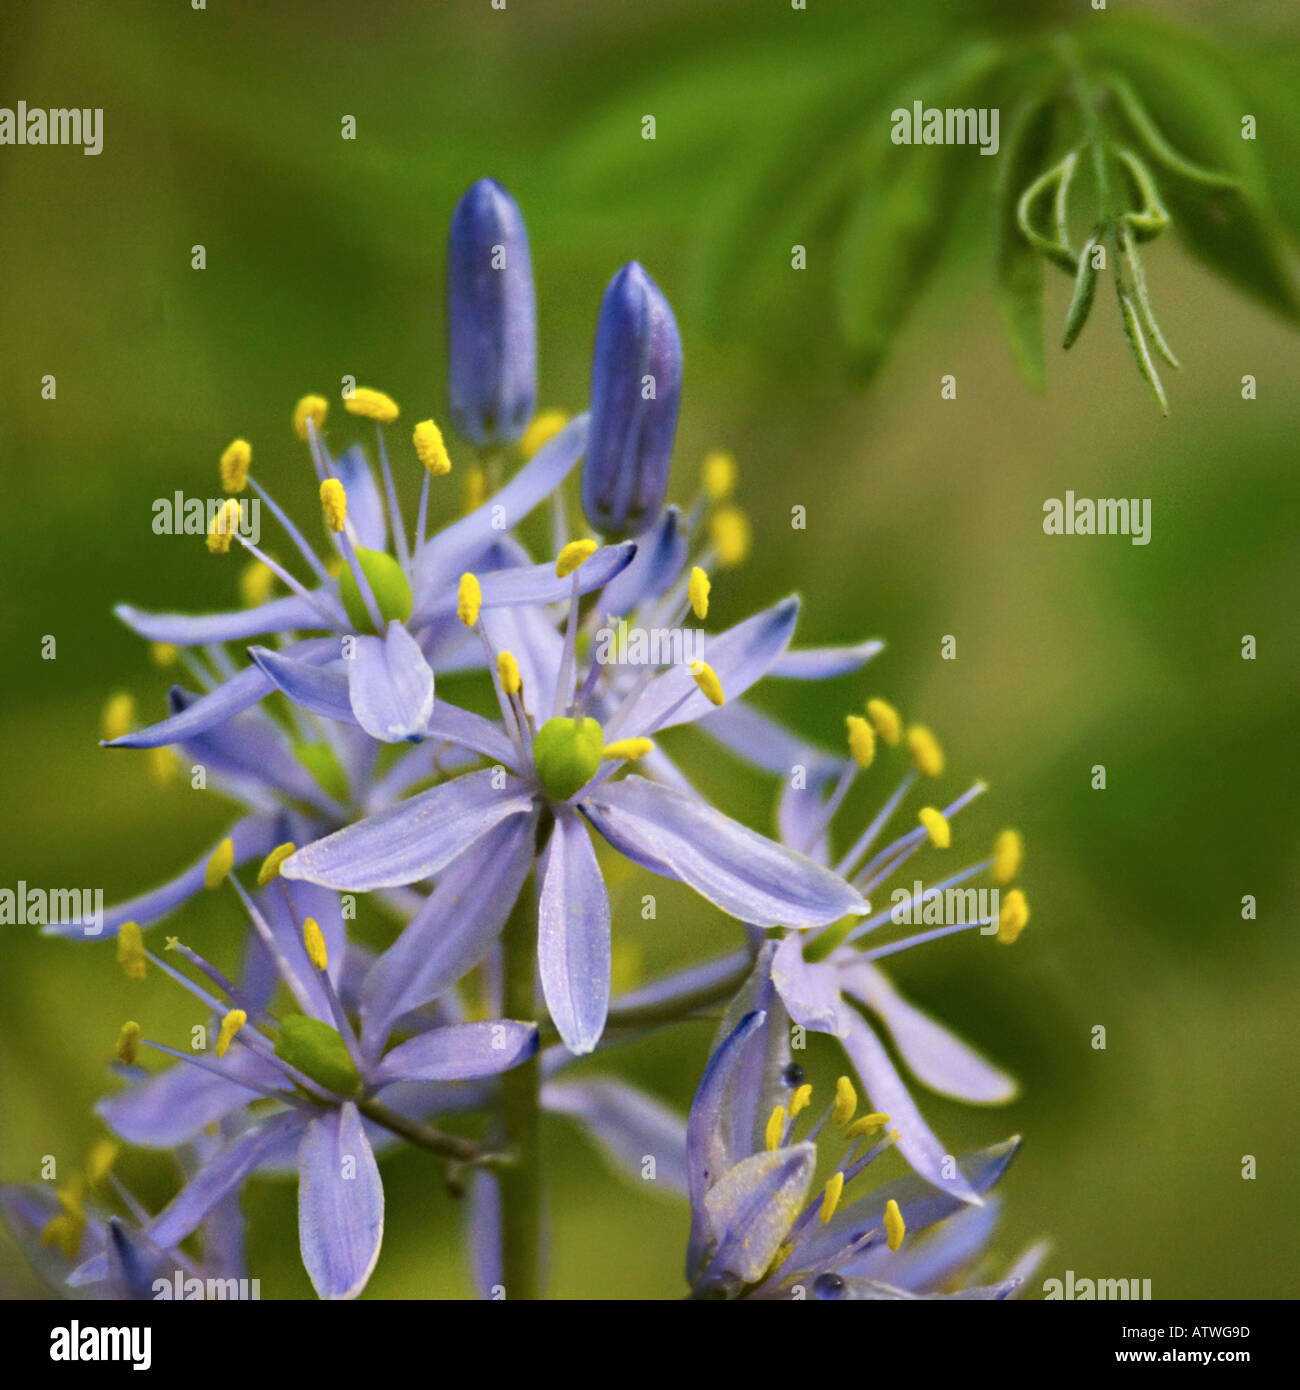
224	527
1008	850
574	554
431	449
862	742
235	463
775	1128
294	534
707	679
1012	917
271	864
846	1102
545	425
220	864
866	1124
163	654
313	408
868	837
936	827
374	405
895	1227
698	593
118	716
925	749
99	1161
630	749
128	1043
508	670
473	490
230	1025
469	599
334	503
718	473
130	950
731	536
886	720
831	1196
256	581
313	939
801	1099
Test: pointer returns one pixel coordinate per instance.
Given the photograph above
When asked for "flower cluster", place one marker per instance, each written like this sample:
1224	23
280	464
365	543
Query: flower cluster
488	833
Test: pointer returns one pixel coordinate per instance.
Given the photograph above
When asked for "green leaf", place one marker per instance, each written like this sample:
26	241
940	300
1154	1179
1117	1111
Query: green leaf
1138	345
1085	286
1017	268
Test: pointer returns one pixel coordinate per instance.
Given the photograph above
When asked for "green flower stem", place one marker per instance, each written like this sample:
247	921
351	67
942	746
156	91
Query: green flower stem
425	1136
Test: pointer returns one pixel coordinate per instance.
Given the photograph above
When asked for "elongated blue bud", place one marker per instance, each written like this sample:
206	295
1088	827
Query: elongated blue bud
636	386
492	317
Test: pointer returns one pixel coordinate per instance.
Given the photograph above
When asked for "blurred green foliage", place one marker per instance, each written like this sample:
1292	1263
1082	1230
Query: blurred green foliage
324	257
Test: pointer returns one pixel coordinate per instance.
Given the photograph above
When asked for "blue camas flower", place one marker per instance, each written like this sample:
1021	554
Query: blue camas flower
759	1229
491	317
554	776
636	385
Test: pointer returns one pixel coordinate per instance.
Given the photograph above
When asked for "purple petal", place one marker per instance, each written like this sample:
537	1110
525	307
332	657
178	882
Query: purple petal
629	1125
195	629
573	948
924	1264
172	1106
539	584
340	1204
463	1052
660	556
751	1208
887	1091
222	1175
821	663
810	990
531	636
739	657
414	839
468	730
322	689
452	931
736	869
936	1057
254	837
391	686
238	693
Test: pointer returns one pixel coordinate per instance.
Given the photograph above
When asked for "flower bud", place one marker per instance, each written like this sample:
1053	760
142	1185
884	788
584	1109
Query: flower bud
492	317
636	385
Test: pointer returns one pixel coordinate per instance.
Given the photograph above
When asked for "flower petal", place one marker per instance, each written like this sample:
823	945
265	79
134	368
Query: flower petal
538	584
736	869
254	837
761	741
937	1057
468	730
391	686
740	656
322	689
195	629
414	839
630	1125
810	990
822	663
340	1204
573	950
462	1052
452	931
751	1208
888	1093
660	556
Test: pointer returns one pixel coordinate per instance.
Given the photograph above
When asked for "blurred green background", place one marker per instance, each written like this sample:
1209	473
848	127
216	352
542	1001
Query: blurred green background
325	256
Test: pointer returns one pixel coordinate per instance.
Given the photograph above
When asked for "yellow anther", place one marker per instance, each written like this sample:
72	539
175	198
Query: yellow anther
508	673
128	1043
270	869
163	654
431	449
885	718
255	584
574	554
546	424
895	1226
235	463
314	940
629	748
866	1124
1008	851
707	679
230	1025
698	592
775	1128
65	1231
801	1099
936	827
99	1161
731	536
334	503
925	749
220	864
846	1102
118	716
374	405
313	408
162	766
862	742
1012	916
469	599
473	490
224	526
831	1196
130	950
718	474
